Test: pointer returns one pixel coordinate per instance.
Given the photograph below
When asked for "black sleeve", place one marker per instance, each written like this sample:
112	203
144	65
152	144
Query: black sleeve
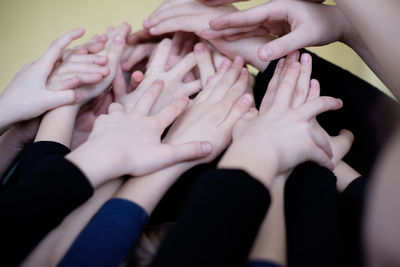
219	224
362	113
31	158
31	208
312	222
351	203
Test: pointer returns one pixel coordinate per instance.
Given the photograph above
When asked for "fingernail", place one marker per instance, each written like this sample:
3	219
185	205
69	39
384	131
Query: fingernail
340	101
266	53
205	147
281	63
247	99
104	70
200	47
226	63
119	40
153	30
79	96
305	58
244	71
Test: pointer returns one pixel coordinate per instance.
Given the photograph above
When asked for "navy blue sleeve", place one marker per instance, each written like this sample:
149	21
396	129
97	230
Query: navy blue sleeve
108	238
258	263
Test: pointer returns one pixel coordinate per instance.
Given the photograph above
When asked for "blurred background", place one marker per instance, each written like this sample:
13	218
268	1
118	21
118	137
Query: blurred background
28	27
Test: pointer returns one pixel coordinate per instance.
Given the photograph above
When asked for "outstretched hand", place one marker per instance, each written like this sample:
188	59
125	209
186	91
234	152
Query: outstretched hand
127	141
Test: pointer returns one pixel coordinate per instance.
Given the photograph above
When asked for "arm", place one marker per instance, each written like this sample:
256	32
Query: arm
375	30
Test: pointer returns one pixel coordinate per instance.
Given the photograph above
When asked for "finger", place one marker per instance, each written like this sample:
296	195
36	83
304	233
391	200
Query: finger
212	81
230	78
174	11
119	86
204	62
241	107
303	83
83	78
315	90
143	51
177	43
168	115
94	48
160	57
210	34
287	85
115	107
149	98
191	88
243	35
237	90
341	145
250	115
249	17
139	36
184	66
320	157
75	67
284	45
319	105
69	83
173	154
54	53
184	23
93	59
136	78
321	139
290	58
272	87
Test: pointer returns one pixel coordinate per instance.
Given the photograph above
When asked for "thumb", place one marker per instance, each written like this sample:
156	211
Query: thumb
185	152
280	47
341	144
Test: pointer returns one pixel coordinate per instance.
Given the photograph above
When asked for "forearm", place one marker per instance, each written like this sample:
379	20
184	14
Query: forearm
147	191
380	34
57	125
270	244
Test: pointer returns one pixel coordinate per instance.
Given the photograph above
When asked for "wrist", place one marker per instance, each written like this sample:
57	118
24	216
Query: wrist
7	119
263	167
97	166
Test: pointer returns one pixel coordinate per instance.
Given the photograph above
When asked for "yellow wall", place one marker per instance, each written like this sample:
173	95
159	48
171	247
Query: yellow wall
27	27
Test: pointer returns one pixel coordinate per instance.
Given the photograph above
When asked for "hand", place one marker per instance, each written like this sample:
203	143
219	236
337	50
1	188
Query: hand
216	108
127	141
28	96
283	127
174	88
93	46
193	16
300	24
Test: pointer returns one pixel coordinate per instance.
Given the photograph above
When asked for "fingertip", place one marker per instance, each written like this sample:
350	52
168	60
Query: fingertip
200	48
247	99
137	76
265	53
206	148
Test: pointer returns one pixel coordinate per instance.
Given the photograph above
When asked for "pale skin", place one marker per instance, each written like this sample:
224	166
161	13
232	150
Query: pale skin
303	24
28	95
193	16
96	73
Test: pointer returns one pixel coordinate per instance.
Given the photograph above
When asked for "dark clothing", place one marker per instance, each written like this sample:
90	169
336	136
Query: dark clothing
262	264
219	223
47	189
108	238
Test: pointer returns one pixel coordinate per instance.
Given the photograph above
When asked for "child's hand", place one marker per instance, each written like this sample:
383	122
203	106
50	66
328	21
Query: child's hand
127	141
28	96
284	129
302	24
213	113
174	88
193	16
